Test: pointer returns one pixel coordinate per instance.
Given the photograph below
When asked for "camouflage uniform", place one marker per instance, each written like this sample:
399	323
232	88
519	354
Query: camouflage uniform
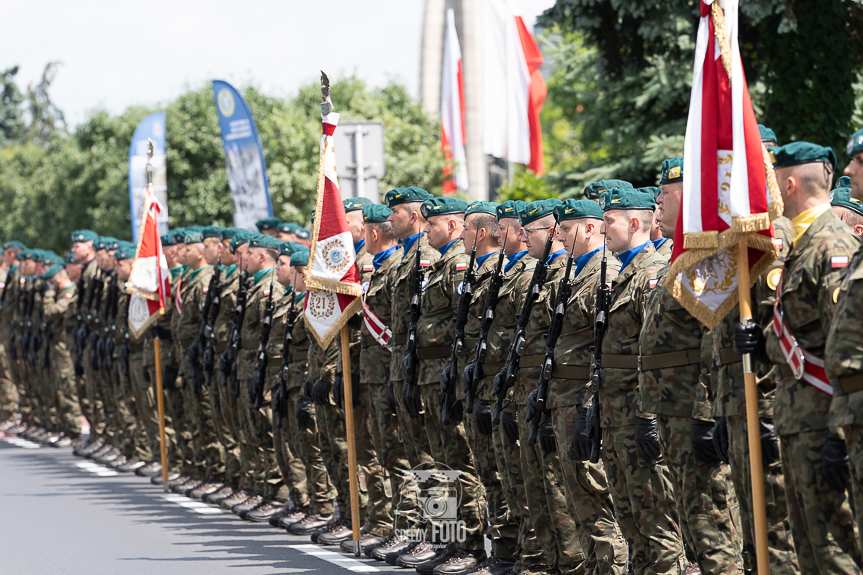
670	380
332	435
228	412
321	490
56	313
586	488
173	401
8	389
435	334
543	483
146	410
379	519
16	362
730	403
529	556
287	455
135	438
374	376
256	422
822	522
641	490
502	529
412	429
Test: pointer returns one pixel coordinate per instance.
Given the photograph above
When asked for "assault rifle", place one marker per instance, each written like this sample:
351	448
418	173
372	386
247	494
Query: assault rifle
490	305
450	372
106	346
280	403
259	376
208	357
603	299
27	320
507	376
564	292
93	315
229	366
195	350
411	359
36	338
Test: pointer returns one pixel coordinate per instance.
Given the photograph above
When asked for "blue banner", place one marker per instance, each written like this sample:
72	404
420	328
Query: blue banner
152	127
244	158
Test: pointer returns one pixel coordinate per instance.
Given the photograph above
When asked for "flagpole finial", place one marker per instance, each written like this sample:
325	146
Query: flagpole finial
326	103
149	164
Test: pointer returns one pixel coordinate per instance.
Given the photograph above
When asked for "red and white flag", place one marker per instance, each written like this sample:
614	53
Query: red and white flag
452	109
726	171
333	283
150	281
513	88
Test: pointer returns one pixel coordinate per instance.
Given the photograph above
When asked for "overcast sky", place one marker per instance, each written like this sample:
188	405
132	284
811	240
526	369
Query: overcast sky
117	53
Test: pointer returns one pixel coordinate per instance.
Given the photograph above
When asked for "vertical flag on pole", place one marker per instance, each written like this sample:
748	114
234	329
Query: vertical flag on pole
151	128
513	88
333	283
726	171
452	106
244	158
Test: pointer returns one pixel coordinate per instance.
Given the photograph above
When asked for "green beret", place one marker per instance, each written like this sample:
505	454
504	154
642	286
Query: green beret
288	248
376	213
26	255
538	209
300	258
843	182
354	204
70	258
51	259
672	171
621	199
767	135
211	232
267	224
302	233
441	206
14	245
654	190
797	153
37	255
510	209
241	237
126	251
842	197
594	190
572	209
178	235
481	207
84	236
100	244
312	216
193	236
264	241
168	239
111	244
51	272
406	195
855	143
229	233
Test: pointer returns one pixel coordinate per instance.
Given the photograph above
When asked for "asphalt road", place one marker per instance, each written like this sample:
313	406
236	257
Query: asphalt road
60	514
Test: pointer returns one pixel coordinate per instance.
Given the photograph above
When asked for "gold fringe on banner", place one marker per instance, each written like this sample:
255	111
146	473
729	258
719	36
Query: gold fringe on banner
145	294
700	240
721	37
347	314
319	203
750	223
777	208
334	285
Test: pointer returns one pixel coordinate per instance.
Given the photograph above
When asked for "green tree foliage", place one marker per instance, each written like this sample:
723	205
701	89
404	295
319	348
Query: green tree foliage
12	126
622	78
80	181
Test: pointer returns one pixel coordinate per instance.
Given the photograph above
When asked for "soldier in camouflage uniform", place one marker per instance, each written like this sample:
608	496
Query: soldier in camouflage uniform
303	430
637	475
540	467
480	231
814	458
8	386
380	243
407	223
587	495
673	365
730	430
843	359
441	291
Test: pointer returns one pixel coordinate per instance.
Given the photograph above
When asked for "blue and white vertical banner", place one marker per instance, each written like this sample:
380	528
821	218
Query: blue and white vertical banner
152	127
244	158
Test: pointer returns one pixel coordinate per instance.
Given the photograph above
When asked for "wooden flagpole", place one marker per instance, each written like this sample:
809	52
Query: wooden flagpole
759	507
352	446
157	344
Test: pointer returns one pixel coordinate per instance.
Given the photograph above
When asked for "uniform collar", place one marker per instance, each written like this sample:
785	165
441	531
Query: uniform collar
446	247
381	257
481	259
554	256
629	254
512	259
658	243
193	273
300	297
359	245
176	270
581	261
229	270
805	219
256	279
409	242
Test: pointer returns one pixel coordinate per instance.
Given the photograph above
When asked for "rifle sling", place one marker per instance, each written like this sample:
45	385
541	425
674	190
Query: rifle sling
580	372
434	352
666	360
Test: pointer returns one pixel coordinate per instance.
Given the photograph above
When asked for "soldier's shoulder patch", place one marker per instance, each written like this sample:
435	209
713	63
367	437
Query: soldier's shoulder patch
368	268
365	287
206	289
460	267
424	283
838	262
266	293
773	278
22	281
652	283
460	287
778	243
69	295
425	263
836	295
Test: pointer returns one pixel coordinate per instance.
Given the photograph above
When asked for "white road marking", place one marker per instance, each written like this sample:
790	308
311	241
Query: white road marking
96	469
339	559
192	505
21	442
